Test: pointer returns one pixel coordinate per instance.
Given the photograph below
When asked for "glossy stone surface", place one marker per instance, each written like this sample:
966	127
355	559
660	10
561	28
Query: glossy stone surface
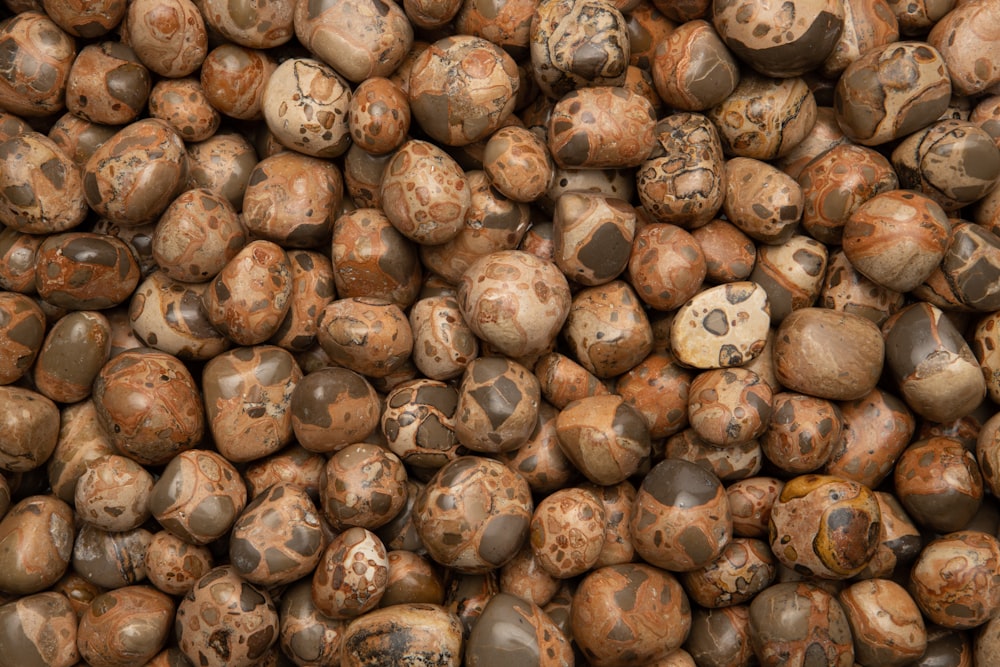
681	519
223	604
474	514
149	405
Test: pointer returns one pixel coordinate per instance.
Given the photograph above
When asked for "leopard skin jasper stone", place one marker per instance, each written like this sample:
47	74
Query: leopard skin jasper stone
891	92
899	539
305	105
362	485
939	483
567	532
370	257
367	335
801	622
424	193
278	538
886	622
731	463
513	629
848	290
867	25
605	438
592	236
199	496
514	301
184	105
765	118
728	407
563	381
169	36
173	565
30	424
540	461
575	44
986	346
85	271
780	39
378	115
248	299
824	135
723	326
39	631
234	79
462	88
954	579
293	199
257	25
745	568
38	61
78	138
718	637
751	500
312	290
692	68
126	626
222	163
75	349
604	127
307	634
108	559
954	162
22	333
41	189
968	40
827	354
803	432
333	407
248	395
443	344
418	422
971	265
682	182
518	163
916	18
36	543
877	428
729	253
133	176
937	374
765	203
791	273
226	621
492	223
149	405
107	84
197	235
680	519
824	526
897	238
18	268
396	634
629	614
473	515
607	329
167	315
358	38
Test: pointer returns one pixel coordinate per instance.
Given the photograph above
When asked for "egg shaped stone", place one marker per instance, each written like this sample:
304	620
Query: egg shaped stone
134	175
462	88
